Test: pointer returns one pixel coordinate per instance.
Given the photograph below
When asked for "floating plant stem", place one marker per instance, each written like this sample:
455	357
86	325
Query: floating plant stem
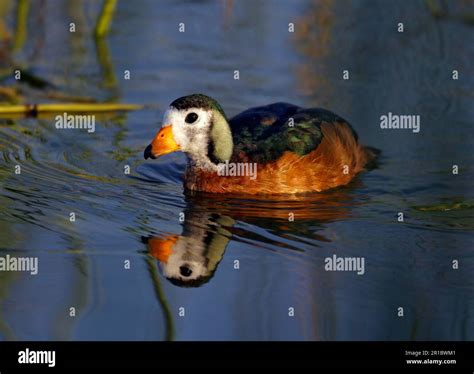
34	109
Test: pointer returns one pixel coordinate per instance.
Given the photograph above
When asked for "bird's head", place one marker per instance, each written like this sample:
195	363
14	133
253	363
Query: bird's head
197	126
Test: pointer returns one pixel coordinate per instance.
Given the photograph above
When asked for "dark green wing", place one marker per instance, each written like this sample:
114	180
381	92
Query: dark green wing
263	134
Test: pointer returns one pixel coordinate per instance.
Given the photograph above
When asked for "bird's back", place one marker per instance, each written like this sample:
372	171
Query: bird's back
263	134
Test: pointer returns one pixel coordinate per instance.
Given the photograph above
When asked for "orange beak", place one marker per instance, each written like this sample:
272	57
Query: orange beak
161	248
162	144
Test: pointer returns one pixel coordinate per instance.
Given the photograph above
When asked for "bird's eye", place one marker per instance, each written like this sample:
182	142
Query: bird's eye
191	117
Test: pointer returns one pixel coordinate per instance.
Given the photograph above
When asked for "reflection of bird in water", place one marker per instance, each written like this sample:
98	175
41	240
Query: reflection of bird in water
290	149
191	259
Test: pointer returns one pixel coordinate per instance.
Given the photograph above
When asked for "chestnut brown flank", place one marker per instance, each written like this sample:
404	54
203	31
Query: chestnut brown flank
319	170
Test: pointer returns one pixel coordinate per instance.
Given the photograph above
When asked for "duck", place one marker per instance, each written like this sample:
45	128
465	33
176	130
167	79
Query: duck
278	148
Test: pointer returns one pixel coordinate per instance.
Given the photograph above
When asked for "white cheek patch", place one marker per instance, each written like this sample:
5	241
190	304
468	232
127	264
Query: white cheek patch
173	118
192	138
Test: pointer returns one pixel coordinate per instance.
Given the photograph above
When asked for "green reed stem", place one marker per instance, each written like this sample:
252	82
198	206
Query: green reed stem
105	18
152	268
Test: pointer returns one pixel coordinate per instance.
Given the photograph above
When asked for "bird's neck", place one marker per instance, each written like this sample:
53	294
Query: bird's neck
203	163
221	144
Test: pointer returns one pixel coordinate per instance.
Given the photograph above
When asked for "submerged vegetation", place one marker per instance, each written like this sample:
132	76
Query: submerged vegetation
25	93
14	97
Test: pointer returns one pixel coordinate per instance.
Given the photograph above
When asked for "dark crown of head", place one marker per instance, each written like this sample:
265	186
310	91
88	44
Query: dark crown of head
196	101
